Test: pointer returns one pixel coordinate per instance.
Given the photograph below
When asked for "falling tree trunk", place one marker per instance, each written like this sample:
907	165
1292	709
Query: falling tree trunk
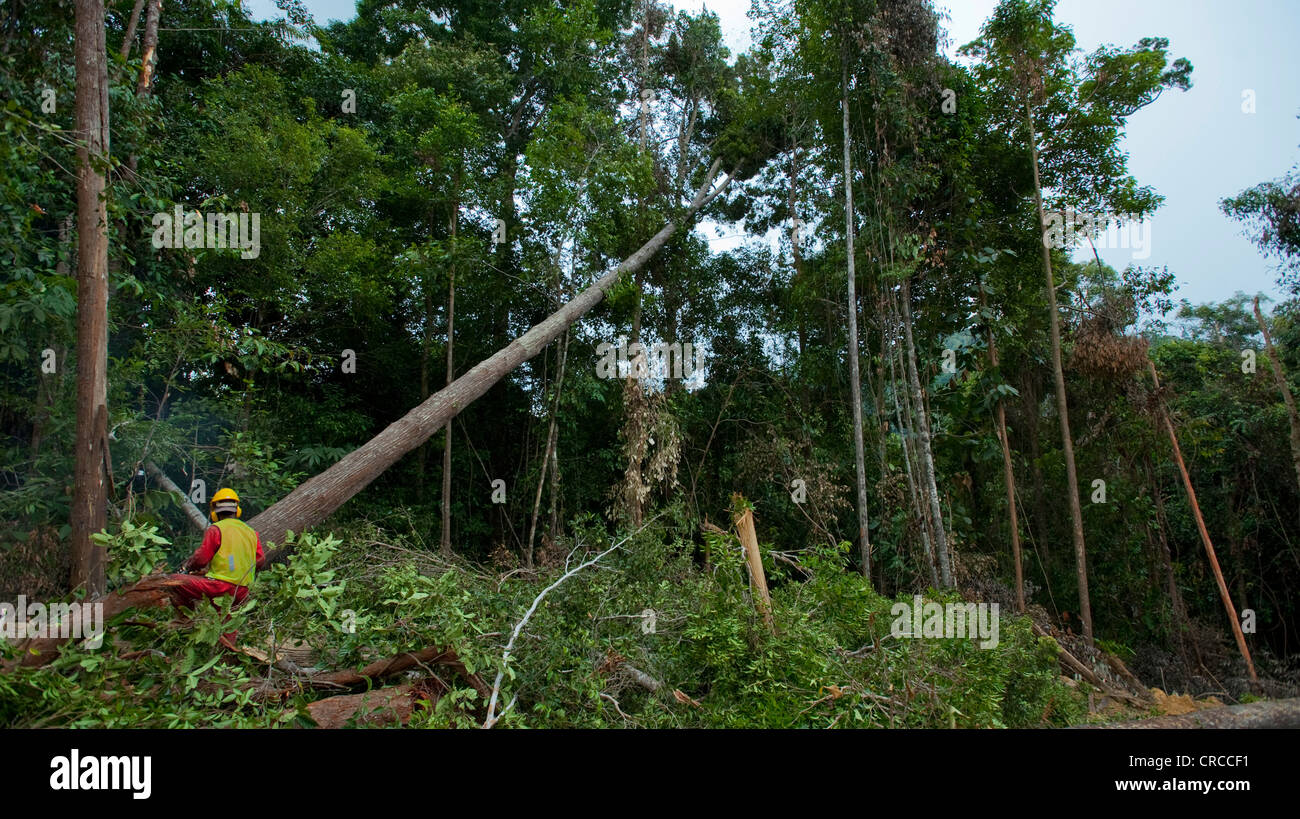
1287	397
1008	471
929	485
1205	534
1062	410
855	380
90	485
318	497
451	369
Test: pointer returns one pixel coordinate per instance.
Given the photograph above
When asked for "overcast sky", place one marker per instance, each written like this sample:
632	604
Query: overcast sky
1193	147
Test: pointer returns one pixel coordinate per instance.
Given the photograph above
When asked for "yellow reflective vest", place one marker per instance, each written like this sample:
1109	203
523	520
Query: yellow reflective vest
236	558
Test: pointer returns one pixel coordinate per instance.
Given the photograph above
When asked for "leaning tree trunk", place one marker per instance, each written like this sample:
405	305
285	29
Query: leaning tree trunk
90	482
1287	397
1204	532
1062	410
855	378
128	39
317	498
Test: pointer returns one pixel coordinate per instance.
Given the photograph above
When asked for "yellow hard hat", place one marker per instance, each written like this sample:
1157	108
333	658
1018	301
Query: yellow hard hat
224	496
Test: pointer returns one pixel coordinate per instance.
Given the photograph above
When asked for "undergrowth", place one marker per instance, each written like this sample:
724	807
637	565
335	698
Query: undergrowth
653	604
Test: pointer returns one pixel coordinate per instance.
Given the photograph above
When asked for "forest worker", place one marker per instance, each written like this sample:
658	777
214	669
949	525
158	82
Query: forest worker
227	560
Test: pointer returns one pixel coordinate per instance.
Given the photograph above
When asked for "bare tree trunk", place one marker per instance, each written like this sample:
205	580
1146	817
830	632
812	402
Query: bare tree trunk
1062	409
1008	471
129	38
1205	534
930	486
855	379
1287	397
319	496
90	482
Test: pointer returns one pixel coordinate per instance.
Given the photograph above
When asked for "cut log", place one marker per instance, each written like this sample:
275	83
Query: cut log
383	707
317	498
1271	714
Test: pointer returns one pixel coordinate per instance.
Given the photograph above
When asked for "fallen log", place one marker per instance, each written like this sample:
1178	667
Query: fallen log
1269	714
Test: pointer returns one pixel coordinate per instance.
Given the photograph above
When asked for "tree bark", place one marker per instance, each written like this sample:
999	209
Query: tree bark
89	498
855	379
319	496
1062	409
1282	384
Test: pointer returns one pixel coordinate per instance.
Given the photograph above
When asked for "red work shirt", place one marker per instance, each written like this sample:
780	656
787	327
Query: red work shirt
211	543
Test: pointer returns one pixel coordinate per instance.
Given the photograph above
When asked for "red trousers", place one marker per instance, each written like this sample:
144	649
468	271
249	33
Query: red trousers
197	587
